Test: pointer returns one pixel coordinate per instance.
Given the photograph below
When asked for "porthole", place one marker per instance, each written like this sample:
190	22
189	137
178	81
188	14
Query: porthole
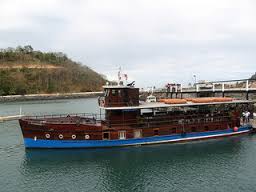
73	136
87	136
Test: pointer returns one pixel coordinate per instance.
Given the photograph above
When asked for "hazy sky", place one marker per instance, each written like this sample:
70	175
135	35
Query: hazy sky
155	42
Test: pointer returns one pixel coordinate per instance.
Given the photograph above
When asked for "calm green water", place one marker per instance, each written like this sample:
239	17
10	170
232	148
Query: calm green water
218	165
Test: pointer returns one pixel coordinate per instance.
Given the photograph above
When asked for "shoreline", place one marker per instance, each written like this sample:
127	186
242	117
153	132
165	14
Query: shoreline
33	97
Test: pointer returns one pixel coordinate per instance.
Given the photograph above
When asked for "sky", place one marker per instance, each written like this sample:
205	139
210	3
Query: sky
154	42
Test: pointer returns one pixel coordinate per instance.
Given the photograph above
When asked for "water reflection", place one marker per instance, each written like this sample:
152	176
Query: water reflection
170	151
216	165
87	105
136	168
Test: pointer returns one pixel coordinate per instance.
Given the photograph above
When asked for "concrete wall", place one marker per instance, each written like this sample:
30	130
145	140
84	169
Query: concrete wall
49	96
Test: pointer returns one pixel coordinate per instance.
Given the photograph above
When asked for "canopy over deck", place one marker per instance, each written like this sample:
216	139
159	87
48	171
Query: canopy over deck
153	105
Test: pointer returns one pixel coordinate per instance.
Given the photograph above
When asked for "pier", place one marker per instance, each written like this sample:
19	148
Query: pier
10	118
31	97
245	88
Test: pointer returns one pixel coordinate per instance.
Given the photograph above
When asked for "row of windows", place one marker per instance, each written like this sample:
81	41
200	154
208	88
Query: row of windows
122	134
138	133
113	92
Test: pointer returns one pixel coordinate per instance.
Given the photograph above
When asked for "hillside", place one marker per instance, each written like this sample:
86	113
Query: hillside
253	76
26	71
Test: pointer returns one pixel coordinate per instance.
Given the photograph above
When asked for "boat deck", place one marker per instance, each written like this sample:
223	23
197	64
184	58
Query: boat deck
82	118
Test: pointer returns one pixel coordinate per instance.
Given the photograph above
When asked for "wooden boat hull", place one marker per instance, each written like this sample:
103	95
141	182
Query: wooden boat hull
174	138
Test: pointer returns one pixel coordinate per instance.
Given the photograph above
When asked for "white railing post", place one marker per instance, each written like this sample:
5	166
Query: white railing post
181	88
197	88
247	85
223	87
176	88
20	110
213	87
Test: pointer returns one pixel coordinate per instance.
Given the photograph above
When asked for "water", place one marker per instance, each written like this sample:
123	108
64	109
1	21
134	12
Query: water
227	164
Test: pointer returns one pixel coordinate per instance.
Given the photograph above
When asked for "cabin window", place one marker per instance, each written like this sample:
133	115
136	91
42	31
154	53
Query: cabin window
173	130
156	132
116	112
180	121
137	133
122	134
193	129
113	92
119	93
106	92
106	136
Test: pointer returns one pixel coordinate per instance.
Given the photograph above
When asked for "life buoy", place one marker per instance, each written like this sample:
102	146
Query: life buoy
47	135
235	129
73	136
87	136
60	136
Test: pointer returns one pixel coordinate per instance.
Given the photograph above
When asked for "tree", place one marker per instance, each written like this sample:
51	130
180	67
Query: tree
70	77
19	49
28	49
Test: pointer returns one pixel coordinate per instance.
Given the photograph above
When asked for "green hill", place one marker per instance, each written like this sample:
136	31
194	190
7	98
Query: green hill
26	71
253	76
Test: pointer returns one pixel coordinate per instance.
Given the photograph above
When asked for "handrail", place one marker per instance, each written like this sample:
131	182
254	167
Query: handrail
86	115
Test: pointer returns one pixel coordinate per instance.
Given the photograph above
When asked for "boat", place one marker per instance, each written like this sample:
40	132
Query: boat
124	120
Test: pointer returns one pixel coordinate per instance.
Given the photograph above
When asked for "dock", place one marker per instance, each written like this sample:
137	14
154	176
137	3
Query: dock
10	118
244	87
32	97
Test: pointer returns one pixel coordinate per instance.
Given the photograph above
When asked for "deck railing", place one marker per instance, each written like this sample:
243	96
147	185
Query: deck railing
61	115
75	118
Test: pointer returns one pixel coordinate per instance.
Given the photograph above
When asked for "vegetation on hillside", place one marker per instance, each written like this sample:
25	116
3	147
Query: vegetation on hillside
26	71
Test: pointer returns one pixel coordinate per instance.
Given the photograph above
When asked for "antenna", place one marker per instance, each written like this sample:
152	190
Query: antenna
152	89
119	76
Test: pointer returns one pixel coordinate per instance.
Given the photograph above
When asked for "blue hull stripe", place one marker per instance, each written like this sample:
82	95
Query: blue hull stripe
39	143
